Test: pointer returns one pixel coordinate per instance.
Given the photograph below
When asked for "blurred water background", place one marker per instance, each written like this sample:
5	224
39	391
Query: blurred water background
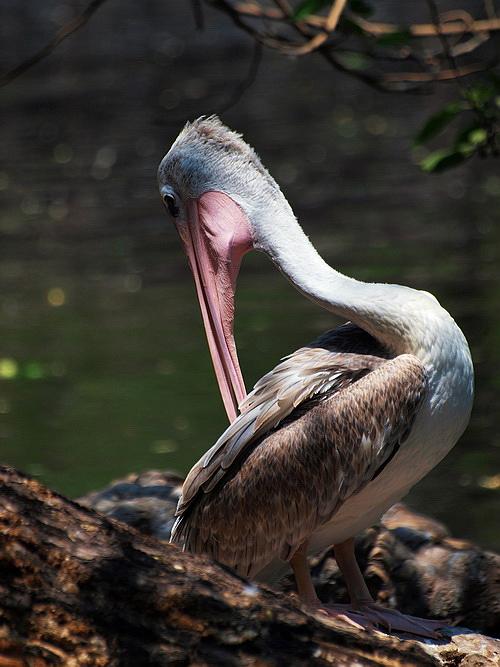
104	368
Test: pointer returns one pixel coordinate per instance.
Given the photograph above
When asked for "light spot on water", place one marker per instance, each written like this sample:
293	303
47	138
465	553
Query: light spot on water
56	297
491	186
164	446
165	367
58	369
345	125
169	98
375	124
63	153
132	283
105	157
464	480
492	482
104	160
195	89
58	209
8	368
181	424
33	371
30	206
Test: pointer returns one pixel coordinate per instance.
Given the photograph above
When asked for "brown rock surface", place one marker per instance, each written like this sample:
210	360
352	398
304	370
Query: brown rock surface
78	588
410	561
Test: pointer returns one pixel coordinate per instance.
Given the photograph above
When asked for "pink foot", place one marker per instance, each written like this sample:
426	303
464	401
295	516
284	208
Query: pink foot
343	612
371	616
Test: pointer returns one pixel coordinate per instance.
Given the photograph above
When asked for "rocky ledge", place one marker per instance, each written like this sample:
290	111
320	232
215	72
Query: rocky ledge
78	586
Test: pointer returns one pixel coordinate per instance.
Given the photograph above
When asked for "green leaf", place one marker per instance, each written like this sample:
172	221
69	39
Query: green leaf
360	7
308	7
441	160
436	123
396	38
352	60
480	94
470	138
478	136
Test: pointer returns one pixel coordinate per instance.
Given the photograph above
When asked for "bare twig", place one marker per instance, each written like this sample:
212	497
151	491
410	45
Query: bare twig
443	75
470	45
329	55
456	23
199	19
228	9
428	29
374	28
314	30
236	95
318	40
62	34
249	79
442	37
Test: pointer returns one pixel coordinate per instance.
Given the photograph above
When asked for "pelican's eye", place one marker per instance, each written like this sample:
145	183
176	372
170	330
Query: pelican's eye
169	201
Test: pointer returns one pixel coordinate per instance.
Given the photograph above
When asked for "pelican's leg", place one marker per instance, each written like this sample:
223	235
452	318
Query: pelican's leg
302	573
355	582
365	611
307	592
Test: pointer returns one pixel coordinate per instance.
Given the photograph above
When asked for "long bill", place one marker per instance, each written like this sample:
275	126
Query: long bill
215	236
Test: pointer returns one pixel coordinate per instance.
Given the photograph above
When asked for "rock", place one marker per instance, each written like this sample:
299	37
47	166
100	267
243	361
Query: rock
80	589
410	561
146	501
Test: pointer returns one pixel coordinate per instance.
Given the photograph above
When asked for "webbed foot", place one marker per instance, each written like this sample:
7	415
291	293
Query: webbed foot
372	616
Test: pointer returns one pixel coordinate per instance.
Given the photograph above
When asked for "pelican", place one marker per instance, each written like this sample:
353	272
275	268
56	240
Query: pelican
338	431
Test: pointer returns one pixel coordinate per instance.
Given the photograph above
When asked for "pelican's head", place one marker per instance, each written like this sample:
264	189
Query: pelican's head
221	199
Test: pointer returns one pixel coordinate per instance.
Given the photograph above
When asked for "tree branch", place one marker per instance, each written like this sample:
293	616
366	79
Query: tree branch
327	25
318	40
249	79
374	28
63	33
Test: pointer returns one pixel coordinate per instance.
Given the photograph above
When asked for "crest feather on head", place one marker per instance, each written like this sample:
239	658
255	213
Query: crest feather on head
211	130
209	155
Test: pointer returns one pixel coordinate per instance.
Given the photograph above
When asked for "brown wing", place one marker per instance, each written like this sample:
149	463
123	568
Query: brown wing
258	494
332	361
308	373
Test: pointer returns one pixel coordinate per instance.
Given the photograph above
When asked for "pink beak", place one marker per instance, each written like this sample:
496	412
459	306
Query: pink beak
216	235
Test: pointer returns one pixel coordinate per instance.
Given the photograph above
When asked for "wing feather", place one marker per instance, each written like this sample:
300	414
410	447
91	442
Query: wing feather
301	376
313	432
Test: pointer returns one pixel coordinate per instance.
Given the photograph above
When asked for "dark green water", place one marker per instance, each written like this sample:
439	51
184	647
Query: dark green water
104	367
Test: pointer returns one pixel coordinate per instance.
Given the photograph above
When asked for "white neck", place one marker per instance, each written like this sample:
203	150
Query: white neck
390	313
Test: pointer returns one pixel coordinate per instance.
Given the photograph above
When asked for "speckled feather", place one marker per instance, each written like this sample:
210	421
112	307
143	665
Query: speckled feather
339	407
